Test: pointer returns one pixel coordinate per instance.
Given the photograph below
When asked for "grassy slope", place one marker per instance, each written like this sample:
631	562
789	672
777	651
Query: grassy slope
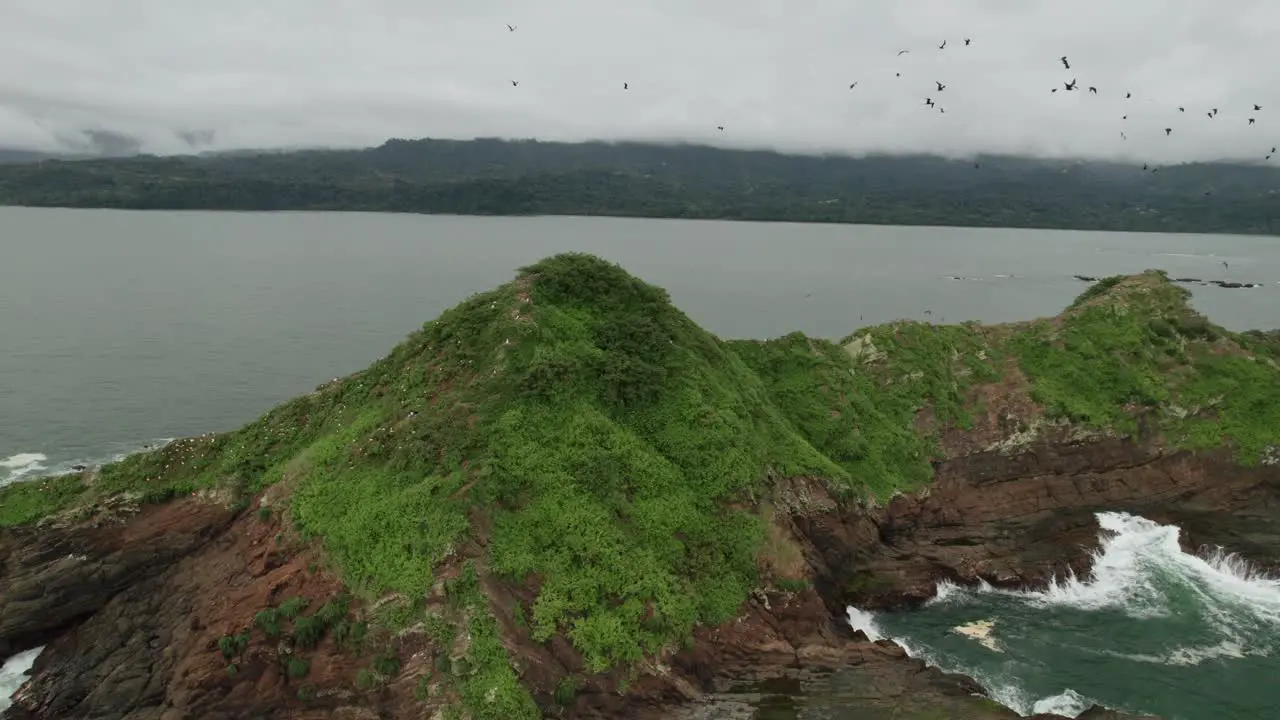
617	450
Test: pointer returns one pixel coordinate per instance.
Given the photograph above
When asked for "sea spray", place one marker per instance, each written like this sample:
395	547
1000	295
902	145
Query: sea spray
1150	629
14	672
27	465
16	467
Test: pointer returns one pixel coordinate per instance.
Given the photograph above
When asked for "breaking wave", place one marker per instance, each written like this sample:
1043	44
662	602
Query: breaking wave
1148	623
36	464
13	673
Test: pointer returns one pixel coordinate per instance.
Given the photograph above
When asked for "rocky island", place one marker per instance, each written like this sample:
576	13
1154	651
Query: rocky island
562	498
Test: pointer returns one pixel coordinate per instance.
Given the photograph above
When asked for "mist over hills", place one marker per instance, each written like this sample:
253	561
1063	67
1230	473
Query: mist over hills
489	176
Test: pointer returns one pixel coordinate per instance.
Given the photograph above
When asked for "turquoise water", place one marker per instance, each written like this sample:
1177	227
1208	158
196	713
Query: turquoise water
1152	630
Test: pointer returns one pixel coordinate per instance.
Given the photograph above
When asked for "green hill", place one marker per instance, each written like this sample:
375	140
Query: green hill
574	432
496	177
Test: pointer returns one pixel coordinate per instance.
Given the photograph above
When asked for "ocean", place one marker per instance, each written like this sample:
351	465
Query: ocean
122	330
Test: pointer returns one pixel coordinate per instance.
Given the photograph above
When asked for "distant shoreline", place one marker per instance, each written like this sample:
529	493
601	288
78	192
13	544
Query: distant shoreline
490	178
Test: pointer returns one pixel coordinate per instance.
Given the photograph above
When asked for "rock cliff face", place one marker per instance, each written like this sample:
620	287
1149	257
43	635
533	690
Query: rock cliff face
133	605
208	599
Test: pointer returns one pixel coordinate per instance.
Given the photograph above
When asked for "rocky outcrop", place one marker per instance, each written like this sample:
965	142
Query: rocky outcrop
1017	520
133	610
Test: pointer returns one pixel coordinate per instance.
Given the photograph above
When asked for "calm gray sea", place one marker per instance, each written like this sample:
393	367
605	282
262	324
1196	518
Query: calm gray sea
119	329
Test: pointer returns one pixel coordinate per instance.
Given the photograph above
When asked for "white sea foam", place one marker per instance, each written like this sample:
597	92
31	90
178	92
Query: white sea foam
14	673
1132	571
35	464
17	466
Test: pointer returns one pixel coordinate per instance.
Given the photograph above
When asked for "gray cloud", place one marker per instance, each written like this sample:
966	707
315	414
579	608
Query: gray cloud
181	75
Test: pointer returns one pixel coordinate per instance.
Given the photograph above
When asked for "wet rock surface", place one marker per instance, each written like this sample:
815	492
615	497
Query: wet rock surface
132	604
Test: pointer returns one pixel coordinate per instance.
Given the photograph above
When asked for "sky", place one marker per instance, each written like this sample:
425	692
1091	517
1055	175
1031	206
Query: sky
193	75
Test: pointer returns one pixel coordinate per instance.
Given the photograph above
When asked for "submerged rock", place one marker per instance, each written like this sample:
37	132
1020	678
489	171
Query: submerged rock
564	498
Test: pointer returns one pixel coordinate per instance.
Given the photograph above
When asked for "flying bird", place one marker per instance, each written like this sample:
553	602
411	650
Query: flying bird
966	42
928	101
943	46
853	84
1093	90
511	28
720	128
941	87
1257	106
1182	109
1123	136
1065	64
626	86
515	83
1215	111
1250	121
1071	85
1128	95
1167	131
900	52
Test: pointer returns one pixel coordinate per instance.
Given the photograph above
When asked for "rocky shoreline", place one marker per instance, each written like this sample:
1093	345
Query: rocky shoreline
131	602
198	580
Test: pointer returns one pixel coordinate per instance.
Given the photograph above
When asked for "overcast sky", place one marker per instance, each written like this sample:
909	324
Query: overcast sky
281	73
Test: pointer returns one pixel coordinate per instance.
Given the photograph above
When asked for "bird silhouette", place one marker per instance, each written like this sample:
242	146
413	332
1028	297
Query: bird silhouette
511	28
1123	136
967	41
1128	95
1273	150
1093	90
1215	111
1167	131
1065	64
1210	115
853	84
900	52
1124	117
1257	107
515	83
928	101
943	46
1071	85
941	87
626	86
720	128
1182	109
1250	121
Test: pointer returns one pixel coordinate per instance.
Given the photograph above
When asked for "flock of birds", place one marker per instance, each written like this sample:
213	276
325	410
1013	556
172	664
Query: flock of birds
1168	131
1071	86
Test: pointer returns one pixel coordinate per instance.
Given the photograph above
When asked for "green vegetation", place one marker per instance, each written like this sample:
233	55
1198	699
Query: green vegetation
1136	349
589	435
489	686
496	177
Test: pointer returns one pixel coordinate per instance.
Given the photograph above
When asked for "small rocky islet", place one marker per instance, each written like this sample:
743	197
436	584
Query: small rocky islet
562	498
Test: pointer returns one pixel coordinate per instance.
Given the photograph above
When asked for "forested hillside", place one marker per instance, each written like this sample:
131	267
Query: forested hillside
497	177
